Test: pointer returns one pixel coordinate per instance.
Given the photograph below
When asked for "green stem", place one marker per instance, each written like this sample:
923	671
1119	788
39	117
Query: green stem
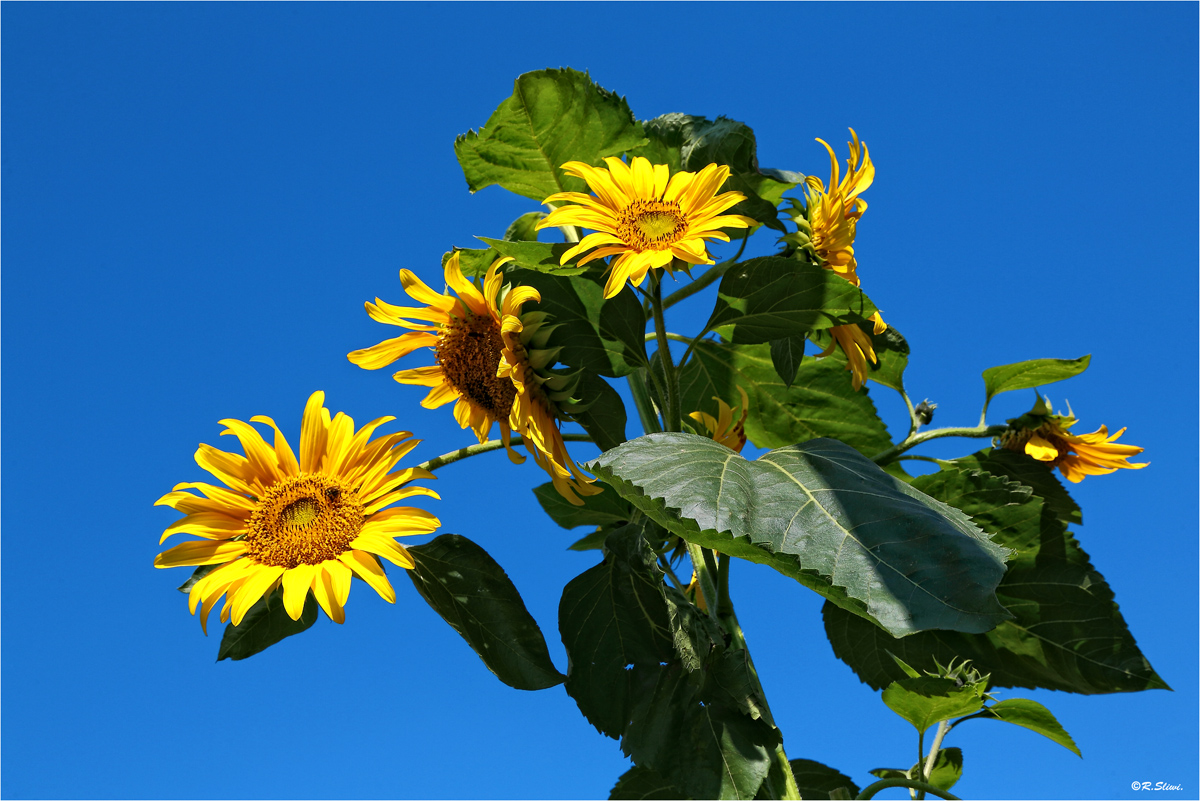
485	447
916	439
683	293
642	400
724	602
708	586
670	336
870	790
671	396
927	771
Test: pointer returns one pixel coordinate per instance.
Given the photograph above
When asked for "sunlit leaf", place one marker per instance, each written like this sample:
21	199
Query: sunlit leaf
1035	717
553	116
1033	373
826	516
474	595
928	700
538	256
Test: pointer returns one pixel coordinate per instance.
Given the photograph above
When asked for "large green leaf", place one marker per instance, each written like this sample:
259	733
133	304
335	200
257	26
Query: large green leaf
537	256
603	414
1033	373
553	116
816	780
605	337
1067	632
474	595
926	700
820	403
623	633
771	297
1035	717
686	142
642	784
1038	476
265	624
825	515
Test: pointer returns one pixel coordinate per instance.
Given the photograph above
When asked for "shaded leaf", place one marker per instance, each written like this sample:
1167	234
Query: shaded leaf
265	624
642	784
597	510
928	700
1038	476
603	415
947	768
786	355
472	593
1033	373
816	780
197	574
1035	717
553	116
1066	634
537	256
524	228
821	402
826	516
604	337
772	297
593	541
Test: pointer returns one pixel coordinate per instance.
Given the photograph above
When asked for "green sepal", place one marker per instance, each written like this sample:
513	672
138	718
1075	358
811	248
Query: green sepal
471	592
265	624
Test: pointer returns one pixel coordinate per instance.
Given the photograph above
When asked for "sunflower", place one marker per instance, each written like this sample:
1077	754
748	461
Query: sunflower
1047	438
489	358
645	216
305	524
722	428
830	221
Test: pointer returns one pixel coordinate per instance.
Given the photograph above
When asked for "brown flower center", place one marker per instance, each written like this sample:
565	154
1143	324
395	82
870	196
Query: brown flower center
651	224
304	520
468	351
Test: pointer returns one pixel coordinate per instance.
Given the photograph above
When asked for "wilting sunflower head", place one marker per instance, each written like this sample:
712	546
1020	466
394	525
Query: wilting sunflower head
1046	436
645	216
490	359
297	525
722	428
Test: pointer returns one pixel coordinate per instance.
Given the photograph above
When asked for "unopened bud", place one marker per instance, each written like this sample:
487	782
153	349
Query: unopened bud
924	412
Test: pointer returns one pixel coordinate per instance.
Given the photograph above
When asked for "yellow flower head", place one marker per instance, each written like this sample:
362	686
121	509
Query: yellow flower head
722	428
303	524
1046	437
832	221
645	216
488	355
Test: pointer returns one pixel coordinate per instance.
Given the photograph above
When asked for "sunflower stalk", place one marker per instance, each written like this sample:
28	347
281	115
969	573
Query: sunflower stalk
673	413
485	447
913	440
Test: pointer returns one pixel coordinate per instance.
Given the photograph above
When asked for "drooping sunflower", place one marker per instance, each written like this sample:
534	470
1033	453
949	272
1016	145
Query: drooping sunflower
722	428
645	216
489	360
1046	437
830	222
302	524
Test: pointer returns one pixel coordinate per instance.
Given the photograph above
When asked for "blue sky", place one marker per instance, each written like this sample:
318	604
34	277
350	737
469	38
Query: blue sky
198	198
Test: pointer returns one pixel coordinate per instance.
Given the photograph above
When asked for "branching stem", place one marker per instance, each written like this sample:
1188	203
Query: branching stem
927	771
870	790
485	447
936	433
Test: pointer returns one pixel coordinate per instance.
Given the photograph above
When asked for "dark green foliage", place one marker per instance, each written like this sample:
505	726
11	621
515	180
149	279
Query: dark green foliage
786	355
265	624
472	593
816	780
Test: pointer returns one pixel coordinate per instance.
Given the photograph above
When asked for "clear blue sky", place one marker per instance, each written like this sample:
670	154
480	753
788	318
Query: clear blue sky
198	198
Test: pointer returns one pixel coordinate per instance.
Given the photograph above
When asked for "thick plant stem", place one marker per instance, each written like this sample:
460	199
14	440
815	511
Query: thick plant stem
708	584
914	440
870	790
927	771
485	447
704	280
673	414
641	399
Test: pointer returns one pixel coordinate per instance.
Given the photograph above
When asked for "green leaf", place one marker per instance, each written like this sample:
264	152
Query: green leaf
553	116
928	700
816	780
786	355
1038	476
540	257
642	784
197	574
820	403
603	416
524	228
593	541
472	593
1066	634
1035	717
947	768
605	337
772	297
473	262
265	624
1033	373
889	773
687	142
597	510
824	515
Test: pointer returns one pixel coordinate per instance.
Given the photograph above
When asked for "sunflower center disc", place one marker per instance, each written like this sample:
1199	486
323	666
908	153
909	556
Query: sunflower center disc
469	354
652	224
303	520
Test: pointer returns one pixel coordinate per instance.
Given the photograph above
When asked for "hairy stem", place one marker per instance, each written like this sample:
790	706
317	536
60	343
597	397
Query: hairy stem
914	440
870	790
641	399
485	447
927	771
